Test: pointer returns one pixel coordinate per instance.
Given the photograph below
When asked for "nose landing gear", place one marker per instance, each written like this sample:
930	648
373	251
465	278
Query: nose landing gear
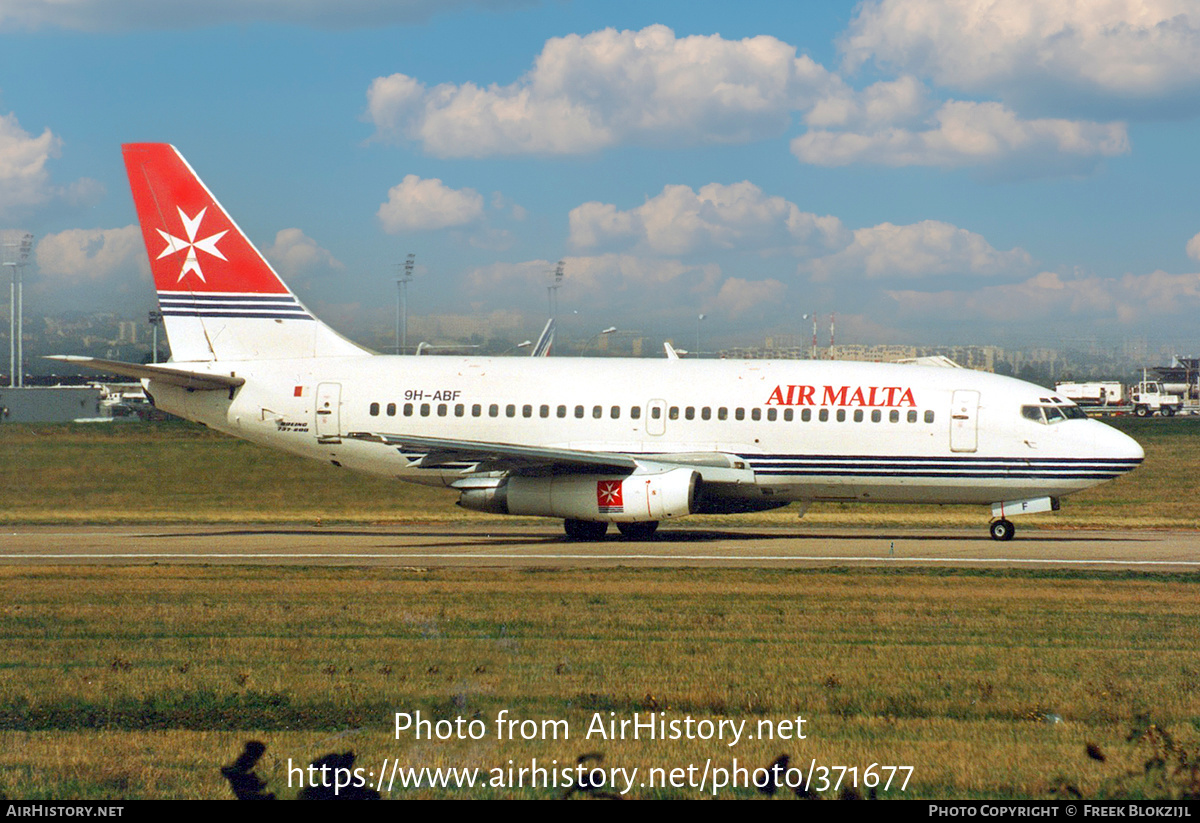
1002	529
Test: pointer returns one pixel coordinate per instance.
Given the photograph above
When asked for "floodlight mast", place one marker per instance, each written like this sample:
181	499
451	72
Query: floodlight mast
16	248
402	303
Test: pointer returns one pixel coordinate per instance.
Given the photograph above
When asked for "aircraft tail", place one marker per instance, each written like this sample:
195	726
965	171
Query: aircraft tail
220	298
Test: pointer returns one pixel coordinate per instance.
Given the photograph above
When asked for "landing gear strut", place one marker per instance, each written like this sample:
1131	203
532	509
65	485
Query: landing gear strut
1002	529
584	529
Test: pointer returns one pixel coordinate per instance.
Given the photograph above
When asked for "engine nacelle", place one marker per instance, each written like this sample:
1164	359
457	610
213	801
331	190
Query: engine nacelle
609	498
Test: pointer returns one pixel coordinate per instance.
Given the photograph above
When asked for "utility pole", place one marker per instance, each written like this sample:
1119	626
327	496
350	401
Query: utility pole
402	303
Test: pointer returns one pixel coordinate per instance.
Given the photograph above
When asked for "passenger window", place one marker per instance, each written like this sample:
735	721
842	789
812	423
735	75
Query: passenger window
823	416
788	414
493	410
706	413
615	412
544	411
876	415
391	409
841	415
441	409
912	415
476	410
739	414
805	415
527	410
858	415
894	416
408	408
773	413
722	413
656	412
374	409
510	410
929	416
689	413
459	409
579	412
635	412
597	412
673	413
424	409
561	411
756	414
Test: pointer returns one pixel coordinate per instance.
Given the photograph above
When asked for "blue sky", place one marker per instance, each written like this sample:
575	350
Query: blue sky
1024	175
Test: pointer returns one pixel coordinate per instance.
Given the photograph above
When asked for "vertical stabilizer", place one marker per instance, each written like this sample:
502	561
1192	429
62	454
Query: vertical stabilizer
220	299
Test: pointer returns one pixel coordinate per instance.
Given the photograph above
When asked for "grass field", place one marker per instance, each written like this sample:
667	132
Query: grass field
179	472
142	681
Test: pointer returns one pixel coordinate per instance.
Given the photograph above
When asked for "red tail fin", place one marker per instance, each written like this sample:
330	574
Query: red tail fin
220	298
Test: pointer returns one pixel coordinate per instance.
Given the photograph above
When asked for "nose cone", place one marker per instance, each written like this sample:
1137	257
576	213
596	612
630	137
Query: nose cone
1114	445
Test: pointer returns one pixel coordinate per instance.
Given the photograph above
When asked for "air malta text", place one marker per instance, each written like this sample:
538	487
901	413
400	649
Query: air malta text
841	396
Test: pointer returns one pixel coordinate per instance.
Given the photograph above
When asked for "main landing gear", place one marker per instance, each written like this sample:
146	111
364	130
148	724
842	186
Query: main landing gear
587	530
1002	529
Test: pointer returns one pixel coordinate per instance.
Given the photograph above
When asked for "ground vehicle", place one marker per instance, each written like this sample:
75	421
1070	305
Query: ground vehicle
1148	397
1097	393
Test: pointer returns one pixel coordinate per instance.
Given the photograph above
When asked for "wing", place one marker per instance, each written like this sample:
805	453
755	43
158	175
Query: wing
440	452
478	456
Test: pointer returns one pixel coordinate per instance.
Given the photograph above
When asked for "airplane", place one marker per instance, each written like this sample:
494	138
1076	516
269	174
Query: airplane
630	442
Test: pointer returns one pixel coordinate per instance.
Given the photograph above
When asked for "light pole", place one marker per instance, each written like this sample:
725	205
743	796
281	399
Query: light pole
155	320
402	303
16	248
596	336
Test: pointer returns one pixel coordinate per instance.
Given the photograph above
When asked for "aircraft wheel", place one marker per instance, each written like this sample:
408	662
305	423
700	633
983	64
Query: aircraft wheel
1003	530
638	531
584	529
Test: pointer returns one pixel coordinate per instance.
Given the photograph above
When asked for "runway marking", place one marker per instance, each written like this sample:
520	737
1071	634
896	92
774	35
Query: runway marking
596	557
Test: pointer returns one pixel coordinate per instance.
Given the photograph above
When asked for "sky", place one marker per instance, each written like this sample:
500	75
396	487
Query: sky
1012	172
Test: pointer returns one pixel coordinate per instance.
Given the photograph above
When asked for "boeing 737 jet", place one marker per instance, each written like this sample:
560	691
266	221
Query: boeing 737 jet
634	442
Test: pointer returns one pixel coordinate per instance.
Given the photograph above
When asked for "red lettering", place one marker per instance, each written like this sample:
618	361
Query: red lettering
856	399
906	399
871	400
891	395
776	398
832	398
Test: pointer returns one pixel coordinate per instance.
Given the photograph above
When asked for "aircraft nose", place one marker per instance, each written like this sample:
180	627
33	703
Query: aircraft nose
1120	446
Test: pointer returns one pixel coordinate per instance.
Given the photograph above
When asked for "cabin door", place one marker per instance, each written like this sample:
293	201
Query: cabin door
656	417
964	421
329	413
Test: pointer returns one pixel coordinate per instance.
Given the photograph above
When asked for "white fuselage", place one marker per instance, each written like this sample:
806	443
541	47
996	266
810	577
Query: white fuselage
809	430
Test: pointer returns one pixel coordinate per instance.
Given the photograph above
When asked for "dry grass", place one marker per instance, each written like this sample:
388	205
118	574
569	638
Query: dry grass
989	684
178	472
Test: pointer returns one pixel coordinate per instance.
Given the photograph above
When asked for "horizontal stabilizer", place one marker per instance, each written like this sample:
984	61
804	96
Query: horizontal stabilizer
164	374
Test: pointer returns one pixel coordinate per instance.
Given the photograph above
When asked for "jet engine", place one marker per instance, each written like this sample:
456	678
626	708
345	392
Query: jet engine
632	498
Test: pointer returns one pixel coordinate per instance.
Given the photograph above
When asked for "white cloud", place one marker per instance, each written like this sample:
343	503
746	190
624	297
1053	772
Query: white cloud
1071	52
127	15
295	255
426	205
91	254
588	92
1049	297
930	248
1193	248
972	134
680	221
24	180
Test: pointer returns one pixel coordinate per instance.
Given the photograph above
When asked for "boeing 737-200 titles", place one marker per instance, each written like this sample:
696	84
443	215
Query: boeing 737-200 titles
633	442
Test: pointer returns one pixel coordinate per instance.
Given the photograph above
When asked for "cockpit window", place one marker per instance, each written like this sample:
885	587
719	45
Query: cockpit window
1050	414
